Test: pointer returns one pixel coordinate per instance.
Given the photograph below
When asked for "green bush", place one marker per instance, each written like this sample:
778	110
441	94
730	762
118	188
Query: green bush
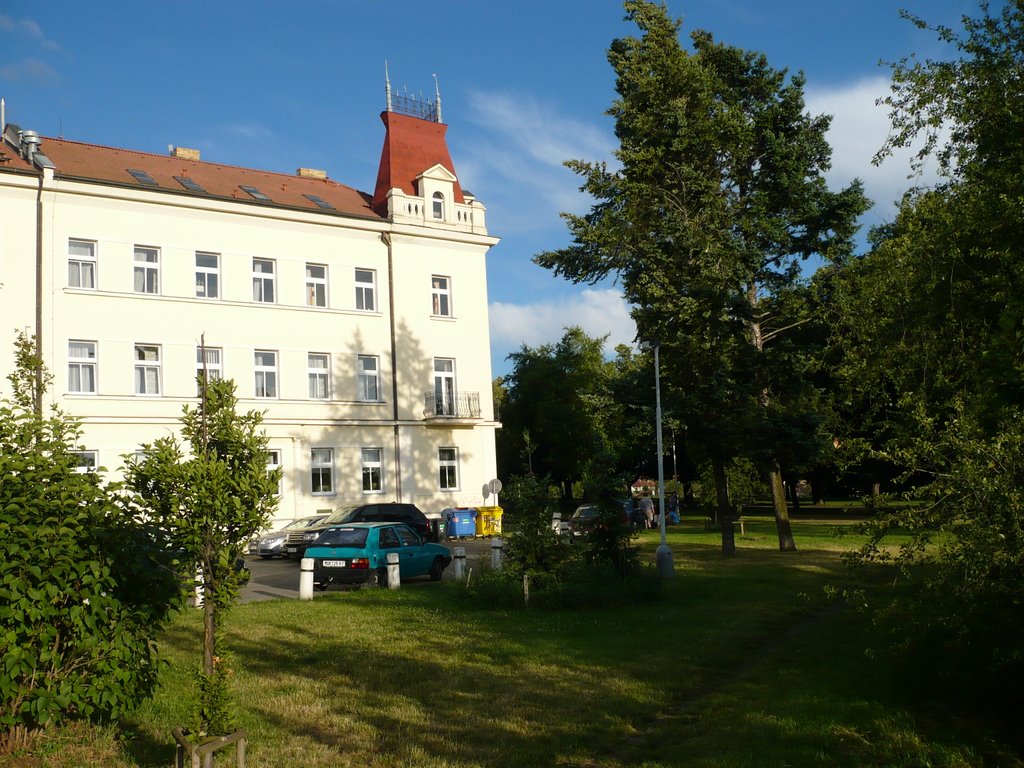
81	595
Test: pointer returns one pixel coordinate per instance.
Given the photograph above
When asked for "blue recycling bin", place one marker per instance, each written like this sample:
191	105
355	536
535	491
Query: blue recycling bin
461	522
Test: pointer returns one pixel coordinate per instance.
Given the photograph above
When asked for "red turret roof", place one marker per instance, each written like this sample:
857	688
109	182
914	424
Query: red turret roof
411	146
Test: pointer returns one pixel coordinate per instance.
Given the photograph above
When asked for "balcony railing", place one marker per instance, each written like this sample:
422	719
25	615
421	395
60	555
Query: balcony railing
458	405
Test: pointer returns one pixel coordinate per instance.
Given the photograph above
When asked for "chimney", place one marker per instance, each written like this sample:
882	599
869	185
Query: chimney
184	153
312	173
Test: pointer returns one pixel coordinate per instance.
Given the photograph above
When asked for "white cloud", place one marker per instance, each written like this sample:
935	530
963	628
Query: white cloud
28	28
31	70
859	128
598	312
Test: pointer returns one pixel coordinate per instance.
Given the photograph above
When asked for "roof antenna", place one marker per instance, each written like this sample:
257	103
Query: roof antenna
437	91
387	85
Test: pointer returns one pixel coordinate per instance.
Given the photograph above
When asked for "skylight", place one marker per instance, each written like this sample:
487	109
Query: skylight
254	192
142	177
319	202
188	184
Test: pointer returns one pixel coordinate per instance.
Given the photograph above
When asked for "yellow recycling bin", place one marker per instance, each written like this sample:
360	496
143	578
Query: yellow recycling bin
488	521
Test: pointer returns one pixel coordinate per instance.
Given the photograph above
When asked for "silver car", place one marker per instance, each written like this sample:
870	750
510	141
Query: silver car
272	544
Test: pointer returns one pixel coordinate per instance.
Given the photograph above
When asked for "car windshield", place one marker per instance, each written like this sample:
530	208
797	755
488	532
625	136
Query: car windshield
343	537
341	515
304	522
587	512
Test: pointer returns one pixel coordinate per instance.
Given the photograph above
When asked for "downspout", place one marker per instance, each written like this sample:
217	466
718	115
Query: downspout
386	239
39	294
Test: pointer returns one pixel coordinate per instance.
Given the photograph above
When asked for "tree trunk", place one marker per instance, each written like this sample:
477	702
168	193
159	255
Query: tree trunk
786	542
725	512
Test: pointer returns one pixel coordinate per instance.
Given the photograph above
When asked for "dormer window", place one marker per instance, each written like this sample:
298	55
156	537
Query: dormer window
438	205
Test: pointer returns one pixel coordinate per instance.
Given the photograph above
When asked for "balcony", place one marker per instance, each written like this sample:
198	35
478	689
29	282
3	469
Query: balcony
451	406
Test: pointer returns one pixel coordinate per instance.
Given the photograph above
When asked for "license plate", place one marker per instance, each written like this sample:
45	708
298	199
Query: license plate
334	563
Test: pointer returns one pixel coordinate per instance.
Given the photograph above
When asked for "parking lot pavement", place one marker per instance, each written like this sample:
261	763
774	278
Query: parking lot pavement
271	579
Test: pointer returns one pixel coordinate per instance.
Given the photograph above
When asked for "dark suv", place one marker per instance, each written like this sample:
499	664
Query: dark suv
392	512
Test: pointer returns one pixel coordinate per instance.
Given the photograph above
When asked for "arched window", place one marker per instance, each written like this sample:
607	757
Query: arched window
438	205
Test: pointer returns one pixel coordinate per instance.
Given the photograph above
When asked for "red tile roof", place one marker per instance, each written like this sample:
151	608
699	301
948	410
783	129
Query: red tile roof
411	146
91	162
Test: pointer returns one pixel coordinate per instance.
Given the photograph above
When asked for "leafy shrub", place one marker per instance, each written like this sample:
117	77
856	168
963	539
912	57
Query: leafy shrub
81	597
533	548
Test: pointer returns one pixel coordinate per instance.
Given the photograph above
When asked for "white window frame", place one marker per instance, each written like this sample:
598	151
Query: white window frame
274	462
448	468
207	276
321	471
319	375
316	286
146	270
214	365
445	393
82	263
437	205
265	375
88	461
146	367
264	282
366	290
372	463
79	364
441	295
367	376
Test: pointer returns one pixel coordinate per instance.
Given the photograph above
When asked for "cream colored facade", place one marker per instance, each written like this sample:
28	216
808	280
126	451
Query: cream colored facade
123	346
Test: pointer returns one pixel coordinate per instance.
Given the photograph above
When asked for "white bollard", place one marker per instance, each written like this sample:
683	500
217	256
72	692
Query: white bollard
306	579
394	577
460	562
556	522
496	554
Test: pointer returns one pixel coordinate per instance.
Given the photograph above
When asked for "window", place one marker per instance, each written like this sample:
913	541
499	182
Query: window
213	370
147	270
438	200
319	382
441	294
147	369
263	280
448	461
82	367
369	379
444	386
274	462
365	288
86	461
81	264
316	285
266	373
207	275
322	470
372	470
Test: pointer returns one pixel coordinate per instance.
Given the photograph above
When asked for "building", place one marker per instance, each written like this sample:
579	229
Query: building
356	321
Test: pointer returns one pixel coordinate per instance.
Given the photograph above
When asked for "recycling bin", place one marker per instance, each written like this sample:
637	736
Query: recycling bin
461	522
488	521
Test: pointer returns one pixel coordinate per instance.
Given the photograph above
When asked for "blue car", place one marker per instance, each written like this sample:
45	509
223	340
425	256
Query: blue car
357	553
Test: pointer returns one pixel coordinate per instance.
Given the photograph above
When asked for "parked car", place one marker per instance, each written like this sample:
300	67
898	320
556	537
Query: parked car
588	516
357	554
393	512
272	544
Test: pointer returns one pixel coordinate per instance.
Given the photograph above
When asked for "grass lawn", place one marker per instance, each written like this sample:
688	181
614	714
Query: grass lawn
740	662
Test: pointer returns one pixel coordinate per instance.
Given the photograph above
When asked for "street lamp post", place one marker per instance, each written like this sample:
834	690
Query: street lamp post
663	555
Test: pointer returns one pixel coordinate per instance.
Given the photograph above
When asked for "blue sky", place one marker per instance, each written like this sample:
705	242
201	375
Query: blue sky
524	86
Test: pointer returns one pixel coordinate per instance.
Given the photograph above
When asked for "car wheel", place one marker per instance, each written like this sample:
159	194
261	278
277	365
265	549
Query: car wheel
437	568
378	578
320	587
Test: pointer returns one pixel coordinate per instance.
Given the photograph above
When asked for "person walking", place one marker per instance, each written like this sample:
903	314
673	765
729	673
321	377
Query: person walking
647	507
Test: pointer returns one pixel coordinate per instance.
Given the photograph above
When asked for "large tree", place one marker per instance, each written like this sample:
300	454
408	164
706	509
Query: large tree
719	197
556	409
930	326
